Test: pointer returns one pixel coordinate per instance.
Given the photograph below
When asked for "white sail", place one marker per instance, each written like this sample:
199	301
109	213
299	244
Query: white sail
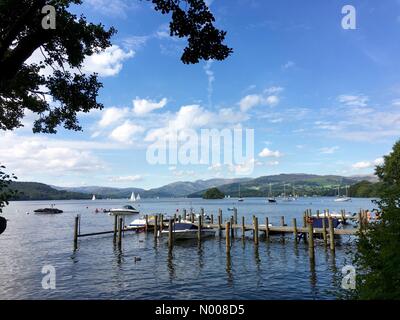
138	197
94	197
132	198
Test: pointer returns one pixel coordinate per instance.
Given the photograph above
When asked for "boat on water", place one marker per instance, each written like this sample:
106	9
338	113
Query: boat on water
48	211
126	210
240	198
343	198
3	224
186	230
285	197
270	198
132	198
94	197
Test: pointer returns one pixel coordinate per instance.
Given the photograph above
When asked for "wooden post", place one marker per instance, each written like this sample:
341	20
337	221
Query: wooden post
282	221
161	223
232	227
179	218
331	234
243	228
220	215
184	214
318	214
199	227
256	231
202	212
219	223
324	230
147	222
227	232
192	218
120	226
115	227
212	219
235	215
76	232
170	234
266	228
295	229
304	219
155	226
311	241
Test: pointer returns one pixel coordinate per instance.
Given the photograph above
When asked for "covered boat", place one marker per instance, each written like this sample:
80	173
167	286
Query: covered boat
126	210
186	230
48	211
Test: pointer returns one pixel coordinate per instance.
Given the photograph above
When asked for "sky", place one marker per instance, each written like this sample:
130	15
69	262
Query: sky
321	99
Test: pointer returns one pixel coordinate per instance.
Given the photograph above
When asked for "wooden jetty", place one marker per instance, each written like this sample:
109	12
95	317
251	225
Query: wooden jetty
231	226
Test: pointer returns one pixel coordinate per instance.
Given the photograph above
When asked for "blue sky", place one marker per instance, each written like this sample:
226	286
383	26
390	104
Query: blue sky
320	99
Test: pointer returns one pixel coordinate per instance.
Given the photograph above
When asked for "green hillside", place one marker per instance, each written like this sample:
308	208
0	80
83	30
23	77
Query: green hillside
41	191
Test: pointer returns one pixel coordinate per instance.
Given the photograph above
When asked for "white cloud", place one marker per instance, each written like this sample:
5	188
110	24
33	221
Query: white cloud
367	164
108	62
26	155
112	115
288	65
266	153
353	100
125	178
211	79
144	106
115	8
396	103
329	150
125	132
268	98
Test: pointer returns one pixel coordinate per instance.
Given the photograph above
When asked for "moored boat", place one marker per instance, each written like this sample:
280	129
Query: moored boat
48	211
126	210
186	230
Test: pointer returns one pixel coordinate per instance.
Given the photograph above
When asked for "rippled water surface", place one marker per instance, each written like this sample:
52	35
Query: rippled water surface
278	269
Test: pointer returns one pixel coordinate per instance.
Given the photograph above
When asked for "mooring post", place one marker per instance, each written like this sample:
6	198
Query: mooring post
115	227
310	237
324	230
155	226
76	232
304	219
170	234
199	227
202	212
232	227
243	228
220	215
179	218
227	236
256	231
235	215
318	214
192	217
295	229
212	218
282	221
331	234
161	223
147	222
184	214
219	222
266	228
120	226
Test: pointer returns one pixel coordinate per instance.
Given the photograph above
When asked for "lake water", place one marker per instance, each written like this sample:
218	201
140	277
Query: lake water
278	269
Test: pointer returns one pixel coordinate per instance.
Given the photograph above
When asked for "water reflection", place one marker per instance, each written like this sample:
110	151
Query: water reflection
170	265
229	269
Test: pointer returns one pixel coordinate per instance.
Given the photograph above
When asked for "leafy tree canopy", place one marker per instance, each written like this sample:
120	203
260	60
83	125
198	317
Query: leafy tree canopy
23	87
213	193
378	260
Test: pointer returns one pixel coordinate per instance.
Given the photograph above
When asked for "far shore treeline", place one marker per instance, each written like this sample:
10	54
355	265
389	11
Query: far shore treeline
307	186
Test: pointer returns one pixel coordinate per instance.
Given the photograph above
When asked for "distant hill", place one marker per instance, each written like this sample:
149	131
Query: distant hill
300	184
41	191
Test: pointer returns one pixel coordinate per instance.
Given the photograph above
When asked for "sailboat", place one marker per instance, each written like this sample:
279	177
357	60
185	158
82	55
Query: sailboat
270	198
240	198
93	198
343	198
138	197
285	197
132	198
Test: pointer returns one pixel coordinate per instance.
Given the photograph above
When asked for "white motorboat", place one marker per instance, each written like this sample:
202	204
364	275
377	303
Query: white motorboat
137	224
186	230
124	211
